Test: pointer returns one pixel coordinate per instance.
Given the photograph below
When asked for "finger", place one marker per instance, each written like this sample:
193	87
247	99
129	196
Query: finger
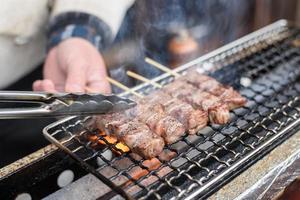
37	85
48	86
60	87
99	86
44	85
53	71
97	81
76	76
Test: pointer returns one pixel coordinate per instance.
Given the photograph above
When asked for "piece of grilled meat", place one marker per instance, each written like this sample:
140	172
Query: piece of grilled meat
192	119
205	83
218	111
154	115
135	134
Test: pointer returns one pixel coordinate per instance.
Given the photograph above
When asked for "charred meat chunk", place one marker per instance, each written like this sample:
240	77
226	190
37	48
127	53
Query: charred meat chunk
218	112
205	83
136	135
164	125
192	119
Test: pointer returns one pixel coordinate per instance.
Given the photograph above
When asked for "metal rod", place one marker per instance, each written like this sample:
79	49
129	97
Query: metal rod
20	96
16	113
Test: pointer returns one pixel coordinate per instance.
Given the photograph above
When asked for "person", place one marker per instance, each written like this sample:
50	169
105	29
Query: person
77	31
52	46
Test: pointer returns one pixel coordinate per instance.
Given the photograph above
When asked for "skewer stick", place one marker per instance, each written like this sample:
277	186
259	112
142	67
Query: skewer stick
124	87
143	79
88	89
161	67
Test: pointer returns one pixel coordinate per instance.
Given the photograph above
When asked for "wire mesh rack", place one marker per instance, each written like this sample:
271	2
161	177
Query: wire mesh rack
263	67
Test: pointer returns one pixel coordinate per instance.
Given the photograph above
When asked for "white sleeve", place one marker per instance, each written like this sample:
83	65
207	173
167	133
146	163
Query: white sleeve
111	12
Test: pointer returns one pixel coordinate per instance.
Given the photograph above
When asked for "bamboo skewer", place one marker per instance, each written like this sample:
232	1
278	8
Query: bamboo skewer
161	67
89	90
124	87
143	79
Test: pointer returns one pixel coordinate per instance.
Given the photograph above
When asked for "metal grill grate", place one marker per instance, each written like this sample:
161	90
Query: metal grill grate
197	165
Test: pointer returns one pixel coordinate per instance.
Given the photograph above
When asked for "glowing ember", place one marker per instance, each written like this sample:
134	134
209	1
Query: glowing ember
110	140
122	147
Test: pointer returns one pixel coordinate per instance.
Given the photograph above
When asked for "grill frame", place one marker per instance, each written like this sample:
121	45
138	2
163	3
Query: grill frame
216	56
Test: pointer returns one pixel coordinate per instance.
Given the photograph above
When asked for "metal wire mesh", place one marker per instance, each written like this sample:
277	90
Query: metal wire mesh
198	164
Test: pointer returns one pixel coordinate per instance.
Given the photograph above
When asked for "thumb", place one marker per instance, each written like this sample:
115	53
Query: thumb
76	76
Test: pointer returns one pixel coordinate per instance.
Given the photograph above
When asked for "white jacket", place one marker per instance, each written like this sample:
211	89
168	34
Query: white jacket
23	29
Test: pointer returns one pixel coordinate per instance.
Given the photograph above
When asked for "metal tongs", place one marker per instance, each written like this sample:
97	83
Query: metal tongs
61	104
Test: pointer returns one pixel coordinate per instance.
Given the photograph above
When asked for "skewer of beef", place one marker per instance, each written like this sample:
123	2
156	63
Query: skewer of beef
231	97
154	116
218	112
136	135
192	119
129	130
205	83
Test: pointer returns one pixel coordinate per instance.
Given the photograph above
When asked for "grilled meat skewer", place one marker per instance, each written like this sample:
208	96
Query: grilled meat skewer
136	135
205	83
154	116
165	115
218	112
192	119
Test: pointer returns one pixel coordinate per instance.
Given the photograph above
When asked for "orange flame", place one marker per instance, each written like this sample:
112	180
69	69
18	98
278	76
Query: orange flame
111	140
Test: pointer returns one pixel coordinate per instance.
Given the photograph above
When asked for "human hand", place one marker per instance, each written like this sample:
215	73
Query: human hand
74	65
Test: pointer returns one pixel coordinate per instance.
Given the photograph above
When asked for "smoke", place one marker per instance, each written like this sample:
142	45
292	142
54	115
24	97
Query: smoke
151	24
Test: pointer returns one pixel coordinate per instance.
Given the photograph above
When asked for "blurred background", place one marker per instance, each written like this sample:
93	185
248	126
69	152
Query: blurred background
174	32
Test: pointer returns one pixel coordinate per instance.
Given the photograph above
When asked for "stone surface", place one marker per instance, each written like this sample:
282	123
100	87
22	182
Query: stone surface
257	171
